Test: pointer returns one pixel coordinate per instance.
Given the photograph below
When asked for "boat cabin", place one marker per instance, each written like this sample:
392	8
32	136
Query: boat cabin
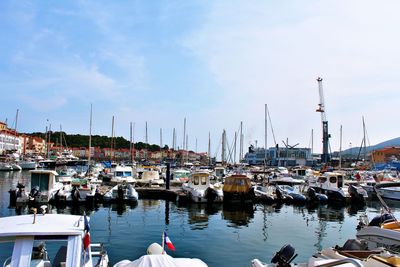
44	240
199	180
220	172
237	184
330	180
46	181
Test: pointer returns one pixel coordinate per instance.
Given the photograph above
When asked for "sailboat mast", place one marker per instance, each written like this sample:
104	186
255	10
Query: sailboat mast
161	139
112	138
365	141
130	143
241	142
223	147
90	136
15	129
234	149
209	148
340	149
173	139
265	134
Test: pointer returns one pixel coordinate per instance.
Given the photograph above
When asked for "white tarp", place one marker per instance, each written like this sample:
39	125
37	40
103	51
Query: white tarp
161	261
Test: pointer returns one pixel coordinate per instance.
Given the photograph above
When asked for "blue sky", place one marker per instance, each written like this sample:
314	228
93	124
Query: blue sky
214	62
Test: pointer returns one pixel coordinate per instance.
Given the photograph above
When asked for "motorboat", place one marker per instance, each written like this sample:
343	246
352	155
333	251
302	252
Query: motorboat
50	240
47	163
180	176
76	190
150	178
27	164
238	188
121	193
331	184
157	257
5	166
288	192
264	194
201	190
285	180
384	229
353	253
43	186
388	190
15	166
122	174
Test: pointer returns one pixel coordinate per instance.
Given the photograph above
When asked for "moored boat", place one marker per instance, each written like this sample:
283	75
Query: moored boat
50	240
237	188
201	190
157	257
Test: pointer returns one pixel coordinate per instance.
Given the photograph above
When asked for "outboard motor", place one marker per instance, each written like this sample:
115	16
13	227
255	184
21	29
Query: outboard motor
20	189
34	193
75	194
13	197
355	195
378	220
120	193
279	194
353	244
284	256
312	196
210	195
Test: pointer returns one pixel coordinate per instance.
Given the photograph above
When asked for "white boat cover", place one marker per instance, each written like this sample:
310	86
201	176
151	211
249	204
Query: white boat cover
161	261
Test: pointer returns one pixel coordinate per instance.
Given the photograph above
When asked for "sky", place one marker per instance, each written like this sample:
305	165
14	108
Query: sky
215	63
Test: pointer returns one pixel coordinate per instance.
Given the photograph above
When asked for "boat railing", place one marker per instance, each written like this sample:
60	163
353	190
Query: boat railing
340	262
7	262
97	251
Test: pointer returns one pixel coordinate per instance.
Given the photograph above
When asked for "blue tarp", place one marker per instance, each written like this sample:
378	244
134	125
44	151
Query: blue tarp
388	166
107	164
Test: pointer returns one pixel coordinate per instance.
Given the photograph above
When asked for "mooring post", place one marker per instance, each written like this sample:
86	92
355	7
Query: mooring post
168	174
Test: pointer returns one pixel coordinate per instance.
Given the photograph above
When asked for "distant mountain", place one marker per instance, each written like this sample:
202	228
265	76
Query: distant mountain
389	143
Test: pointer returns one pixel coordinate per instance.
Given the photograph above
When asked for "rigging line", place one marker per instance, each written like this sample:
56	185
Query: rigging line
272	128
230	150
219	144
369	145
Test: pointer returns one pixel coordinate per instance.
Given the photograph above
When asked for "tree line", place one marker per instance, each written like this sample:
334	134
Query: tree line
102	141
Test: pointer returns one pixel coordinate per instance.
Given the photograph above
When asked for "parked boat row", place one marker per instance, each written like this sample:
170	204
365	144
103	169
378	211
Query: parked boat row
377	244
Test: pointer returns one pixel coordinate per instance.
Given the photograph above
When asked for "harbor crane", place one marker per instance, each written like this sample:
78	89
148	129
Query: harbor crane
325	158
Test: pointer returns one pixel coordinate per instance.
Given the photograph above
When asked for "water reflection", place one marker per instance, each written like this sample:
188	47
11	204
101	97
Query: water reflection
238	216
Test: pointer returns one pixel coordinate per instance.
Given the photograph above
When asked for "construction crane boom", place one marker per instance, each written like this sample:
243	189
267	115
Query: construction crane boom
325	134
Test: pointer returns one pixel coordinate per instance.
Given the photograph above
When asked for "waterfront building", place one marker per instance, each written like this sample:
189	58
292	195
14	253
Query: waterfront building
276	156
9	139
386	155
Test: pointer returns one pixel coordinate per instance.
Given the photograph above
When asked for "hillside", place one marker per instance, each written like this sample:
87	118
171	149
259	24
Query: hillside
388	143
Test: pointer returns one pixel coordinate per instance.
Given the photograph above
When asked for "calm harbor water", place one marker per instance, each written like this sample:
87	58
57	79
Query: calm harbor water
218	235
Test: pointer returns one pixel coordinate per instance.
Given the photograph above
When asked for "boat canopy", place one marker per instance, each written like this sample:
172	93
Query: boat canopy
162	260
237	183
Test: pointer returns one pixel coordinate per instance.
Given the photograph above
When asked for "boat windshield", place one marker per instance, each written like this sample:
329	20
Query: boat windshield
47	252
123	174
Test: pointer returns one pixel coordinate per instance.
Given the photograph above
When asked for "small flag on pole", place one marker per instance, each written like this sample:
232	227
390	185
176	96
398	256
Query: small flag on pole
86	237
168	242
